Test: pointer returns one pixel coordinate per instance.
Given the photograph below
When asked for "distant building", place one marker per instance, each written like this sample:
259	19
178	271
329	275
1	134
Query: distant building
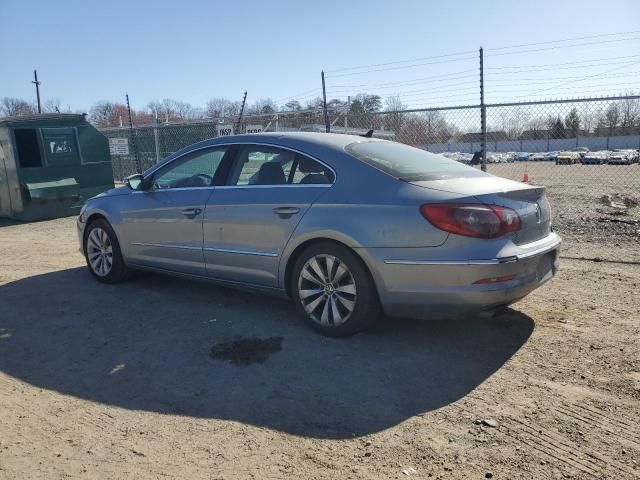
477	137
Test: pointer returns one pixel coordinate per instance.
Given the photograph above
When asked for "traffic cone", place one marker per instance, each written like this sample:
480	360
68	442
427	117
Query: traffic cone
525	177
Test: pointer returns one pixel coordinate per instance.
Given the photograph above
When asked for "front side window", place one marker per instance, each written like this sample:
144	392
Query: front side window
191	171
264	165
409	163
28	147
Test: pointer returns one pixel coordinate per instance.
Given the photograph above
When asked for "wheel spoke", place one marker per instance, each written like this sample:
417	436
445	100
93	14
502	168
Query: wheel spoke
310	307
335	313
324	319
93	254
348	304
350	288
315	267
103	238
307	275
93	238
330	260
340	271
310	293
95	262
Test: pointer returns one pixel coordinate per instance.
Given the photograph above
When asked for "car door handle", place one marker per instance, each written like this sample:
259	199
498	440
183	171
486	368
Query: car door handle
285	212
191	212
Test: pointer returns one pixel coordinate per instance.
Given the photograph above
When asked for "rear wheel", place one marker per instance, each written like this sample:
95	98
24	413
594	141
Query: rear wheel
334	290
102	252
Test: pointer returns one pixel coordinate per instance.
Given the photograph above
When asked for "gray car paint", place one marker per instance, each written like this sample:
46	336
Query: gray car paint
243	242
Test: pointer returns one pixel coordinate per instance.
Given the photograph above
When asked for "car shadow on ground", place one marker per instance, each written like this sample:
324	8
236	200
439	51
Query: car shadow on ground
146	345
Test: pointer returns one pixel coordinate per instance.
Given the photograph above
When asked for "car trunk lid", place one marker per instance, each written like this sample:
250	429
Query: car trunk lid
528	201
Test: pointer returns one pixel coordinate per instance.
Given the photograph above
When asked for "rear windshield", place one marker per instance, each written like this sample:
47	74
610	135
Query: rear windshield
409	163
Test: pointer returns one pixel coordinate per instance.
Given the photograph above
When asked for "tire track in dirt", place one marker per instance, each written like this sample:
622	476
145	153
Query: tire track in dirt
590	421
553	443
562	445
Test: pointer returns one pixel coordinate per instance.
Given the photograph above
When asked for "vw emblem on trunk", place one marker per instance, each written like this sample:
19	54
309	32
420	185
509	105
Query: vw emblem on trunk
538	213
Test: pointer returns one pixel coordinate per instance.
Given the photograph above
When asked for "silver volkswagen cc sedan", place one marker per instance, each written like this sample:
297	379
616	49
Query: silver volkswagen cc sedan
345	226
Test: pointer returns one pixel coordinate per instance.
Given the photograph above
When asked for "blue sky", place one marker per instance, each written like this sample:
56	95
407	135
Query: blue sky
193	50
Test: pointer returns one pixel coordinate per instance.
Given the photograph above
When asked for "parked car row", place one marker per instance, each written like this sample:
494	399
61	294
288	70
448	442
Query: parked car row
578	155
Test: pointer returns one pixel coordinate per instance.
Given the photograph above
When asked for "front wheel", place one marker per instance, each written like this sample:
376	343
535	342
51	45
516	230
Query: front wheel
334	290
102	252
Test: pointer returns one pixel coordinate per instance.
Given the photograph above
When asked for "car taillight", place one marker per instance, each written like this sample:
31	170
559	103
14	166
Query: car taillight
471	219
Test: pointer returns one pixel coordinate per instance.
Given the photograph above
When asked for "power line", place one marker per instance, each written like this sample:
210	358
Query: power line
529	80
298	94
563	63
445	87
564	40
585	78
569	88
404	66
401	61
446	77
564	46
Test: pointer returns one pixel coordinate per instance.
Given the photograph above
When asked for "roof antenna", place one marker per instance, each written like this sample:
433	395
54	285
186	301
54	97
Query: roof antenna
369	134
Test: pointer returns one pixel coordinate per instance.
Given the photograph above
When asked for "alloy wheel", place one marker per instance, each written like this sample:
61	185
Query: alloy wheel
100	252
327	290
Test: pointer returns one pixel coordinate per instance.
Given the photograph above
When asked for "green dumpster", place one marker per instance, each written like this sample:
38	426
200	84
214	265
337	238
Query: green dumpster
50	164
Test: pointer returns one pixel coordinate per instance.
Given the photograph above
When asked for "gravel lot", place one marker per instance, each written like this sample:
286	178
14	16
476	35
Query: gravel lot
149	380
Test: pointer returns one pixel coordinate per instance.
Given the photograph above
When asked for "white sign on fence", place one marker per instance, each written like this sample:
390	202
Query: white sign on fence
225	130
119	146
253	129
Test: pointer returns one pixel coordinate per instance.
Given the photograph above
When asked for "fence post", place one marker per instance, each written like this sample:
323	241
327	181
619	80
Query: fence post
133	139
483	117
324	105
346	115
155	138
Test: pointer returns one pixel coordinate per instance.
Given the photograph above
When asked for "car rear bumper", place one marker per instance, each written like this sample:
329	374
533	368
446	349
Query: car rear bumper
432	288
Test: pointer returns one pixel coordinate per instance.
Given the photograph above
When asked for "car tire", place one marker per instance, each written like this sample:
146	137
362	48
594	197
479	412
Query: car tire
334	291
102	253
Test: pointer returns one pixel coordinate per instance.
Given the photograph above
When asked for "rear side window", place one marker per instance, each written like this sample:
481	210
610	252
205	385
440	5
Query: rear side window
28	147
409	163
265	165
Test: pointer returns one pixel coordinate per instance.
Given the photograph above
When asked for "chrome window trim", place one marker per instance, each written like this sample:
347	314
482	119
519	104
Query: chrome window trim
156	190
241	252
492	261
285	185
155	168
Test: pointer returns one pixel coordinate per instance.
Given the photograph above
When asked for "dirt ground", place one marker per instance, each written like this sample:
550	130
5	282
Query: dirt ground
142	380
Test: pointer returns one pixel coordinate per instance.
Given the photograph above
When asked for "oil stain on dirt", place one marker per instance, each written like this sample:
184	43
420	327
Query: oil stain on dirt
246	351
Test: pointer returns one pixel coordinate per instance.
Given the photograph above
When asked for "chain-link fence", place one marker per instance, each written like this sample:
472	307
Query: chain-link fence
584	151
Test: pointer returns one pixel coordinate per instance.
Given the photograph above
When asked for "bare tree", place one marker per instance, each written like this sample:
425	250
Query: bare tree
100	113
52	105
612	118
11	106
220	107
263	105
588	119
291	105
630	113
394	119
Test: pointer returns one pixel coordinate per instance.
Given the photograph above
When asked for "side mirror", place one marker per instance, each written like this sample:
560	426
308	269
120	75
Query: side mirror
134	182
